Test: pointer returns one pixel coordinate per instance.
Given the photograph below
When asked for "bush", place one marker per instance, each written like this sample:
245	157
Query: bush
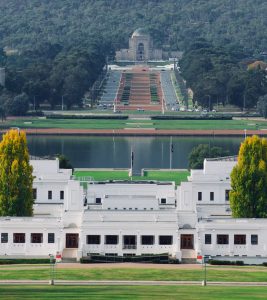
226	262
12	261
193	117
264	264
102	117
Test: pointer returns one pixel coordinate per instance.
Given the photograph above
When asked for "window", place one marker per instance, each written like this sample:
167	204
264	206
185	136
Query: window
222	239
34	194
98	200
165	239
147	239
49	195
163	201
93	239
4	238
227	193
254	239
240	239
111	239
211	196
51	238
61	195
36	238
18	237
199	196
208	239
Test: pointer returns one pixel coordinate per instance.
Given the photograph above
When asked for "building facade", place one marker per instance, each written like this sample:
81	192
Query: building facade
134	218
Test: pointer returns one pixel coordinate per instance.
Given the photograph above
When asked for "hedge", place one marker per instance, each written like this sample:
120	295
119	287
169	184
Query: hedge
12	261
102	117
193	117
226	262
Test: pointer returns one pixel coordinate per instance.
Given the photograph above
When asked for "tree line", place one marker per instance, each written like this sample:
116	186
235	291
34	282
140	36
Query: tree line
220	75
50	74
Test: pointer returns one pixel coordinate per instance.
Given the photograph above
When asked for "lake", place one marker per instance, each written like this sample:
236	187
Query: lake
109	152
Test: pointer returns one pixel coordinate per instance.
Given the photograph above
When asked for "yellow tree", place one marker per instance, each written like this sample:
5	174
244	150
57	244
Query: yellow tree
248	197
16	198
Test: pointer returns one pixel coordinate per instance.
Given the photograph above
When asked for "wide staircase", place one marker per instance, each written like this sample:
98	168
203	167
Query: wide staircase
140	89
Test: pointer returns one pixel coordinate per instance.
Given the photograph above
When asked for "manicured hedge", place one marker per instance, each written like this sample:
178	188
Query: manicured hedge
157	259
193	117
102	117
226	262
24	261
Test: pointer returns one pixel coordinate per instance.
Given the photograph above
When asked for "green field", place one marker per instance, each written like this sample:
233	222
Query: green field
121	124
244	274
176	176
132	292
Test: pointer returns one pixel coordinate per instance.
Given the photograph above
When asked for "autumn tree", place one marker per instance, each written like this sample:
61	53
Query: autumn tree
248	197
16	198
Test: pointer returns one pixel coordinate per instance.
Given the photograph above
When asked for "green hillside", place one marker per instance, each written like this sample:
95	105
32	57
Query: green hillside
25	23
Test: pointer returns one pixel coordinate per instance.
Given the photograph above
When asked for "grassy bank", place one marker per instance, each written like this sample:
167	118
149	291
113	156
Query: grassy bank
132	292
176	176
121	124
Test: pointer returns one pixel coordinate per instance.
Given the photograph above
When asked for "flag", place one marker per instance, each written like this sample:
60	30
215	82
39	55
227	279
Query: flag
132	159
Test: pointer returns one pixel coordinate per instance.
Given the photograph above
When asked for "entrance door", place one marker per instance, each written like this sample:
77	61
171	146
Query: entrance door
187	241
140	51
72	240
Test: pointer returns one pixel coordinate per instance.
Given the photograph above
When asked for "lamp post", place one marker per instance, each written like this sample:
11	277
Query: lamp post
205	260
245	133
209	101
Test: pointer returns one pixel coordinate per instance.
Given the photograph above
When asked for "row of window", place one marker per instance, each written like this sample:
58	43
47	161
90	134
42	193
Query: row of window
129	239
239	239
199	196
49	195
36	238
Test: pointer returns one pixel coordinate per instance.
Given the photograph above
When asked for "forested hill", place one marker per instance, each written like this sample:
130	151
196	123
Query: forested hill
25	23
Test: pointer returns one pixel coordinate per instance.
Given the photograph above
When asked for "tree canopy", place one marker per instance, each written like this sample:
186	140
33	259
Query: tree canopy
248	197
16	198
202	151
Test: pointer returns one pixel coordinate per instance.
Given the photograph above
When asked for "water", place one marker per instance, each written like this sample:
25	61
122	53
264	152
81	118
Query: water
109	152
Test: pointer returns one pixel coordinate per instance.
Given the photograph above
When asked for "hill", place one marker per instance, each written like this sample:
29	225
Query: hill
174	23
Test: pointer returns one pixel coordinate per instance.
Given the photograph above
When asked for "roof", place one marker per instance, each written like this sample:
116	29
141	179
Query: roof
226	158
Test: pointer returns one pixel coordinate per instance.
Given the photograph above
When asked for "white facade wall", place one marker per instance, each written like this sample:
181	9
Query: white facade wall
134	209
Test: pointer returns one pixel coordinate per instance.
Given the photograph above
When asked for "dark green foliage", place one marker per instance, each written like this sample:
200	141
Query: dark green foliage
219	75
24	261
18	105
64	162
226	262
262	106
202	151
193	117
101	117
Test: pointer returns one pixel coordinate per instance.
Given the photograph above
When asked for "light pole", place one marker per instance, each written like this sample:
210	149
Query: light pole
245	133
209	101
62	102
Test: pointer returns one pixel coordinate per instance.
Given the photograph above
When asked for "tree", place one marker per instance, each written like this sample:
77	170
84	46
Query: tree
18	106
16	197
248	197
202	151
64	162
262	106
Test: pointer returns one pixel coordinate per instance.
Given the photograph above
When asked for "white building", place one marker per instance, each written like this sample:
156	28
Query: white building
134	218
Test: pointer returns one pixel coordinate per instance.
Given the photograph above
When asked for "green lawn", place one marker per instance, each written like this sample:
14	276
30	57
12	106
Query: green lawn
132	292
213	274
176	176
120	124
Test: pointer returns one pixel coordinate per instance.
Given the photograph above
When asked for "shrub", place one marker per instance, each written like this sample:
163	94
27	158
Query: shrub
12	261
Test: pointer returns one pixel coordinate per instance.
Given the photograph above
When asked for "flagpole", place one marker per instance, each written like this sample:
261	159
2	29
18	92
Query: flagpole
171	150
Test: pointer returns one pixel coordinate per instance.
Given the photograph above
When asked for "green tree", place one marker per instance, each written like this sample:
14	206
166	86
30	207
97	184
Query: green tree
262	106
64	162
18	106
248	197
16	198
202	151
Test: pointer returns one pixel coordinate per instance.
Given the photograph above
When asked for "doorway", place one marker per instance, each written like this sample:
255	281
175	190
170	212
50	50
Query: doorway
187	241
72	240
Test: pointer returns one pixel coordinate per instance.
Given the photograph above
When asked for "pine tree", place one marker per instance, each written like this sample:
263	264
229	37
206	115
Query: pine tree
248	198
16	198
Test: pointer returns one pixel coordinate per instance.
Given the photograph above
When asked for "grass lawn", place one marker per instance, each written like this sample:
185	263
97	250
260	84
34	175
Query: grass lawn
120	124
132	292
176	176
245	274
